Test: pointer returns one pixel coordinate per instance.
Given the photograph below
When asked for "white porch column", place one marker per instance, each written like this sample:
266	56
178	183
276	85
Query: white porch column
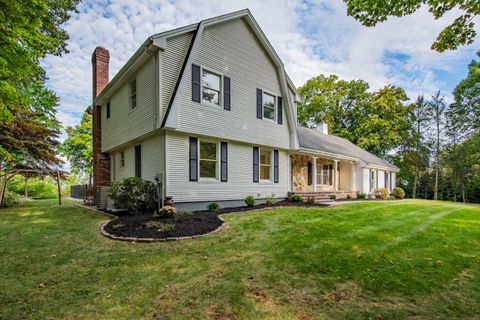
335	175
314	178
354	176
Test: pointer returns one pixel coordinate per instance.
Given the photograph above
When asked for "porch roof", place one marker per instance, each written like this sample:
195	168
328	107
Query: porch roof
315	140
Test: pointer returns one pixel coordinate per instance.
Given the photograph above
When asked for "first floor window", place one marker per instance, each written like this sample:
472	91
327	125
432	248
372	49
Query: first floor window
138	161
211	84
208	159
325	174
268	106
372	179
265	164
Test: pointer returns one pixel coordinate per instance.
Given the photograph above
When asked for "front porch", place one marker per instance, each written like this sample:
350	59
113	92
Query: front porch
321	177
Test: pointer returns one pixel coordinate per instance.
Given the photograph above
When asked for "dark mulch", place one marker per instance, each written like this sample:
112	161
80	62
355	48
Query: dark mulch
197	223
182	225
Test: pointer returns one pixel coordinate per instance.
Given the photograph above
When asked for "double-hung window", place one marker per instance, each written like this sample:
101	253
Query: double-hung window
133	94
211	87
325	174
372	179
265	164
269	110
208	160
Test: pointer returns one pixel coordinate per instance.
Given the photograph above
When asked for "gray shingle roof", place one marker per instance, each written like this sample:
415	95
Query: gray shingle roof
316	140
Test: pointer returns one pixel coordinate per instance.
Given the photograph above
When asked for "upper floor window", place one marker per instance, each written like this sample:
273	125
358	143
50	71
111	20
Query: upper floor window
208	159
108	110
265	164
211	87
268	106
133	93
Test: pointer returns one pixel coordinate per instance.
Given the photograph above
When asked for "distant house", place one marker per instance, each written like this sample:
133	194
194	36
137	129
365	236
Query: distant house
209	111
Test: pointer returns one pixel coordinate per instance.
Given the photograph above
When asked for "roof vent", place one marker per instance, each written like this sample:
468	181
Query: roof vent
322	127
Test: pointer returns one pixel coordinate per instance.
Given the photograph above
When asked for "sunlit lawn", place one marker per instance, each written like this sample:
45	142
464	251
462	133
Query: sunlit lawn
370	260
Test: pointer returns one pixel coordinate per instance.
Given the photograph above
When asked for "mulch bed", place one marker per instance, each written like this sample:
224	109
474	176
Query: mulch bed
197	223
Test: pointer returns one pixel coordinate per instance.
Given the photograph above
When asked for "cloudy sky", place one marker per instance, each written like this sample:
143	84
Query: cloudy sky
311	37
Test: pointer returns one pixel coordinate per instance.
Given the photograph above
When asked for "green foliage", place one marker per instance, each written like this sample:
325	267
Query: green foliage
398	193
11	199
332	197
296	198
271	200
167	212
77	147
213	206
134	194
460	32
381	193
37	187
362	195
376	121
118	226
250	201
159	226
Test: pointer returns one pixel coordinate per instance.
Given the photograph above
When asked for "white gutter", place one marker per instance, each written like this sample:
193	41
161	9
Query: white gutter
326	154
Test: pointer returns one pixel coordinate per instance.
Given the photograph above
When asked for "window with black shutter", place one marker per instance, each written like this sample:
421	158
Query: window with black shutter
255	164
280	110
108	110
226	93
276	172
138	161
223	162
195	83
193	162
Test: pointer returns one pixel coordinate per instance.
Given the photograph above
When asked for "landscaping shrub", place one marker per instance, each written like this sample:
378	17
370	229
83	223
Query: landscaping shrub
167	212
381	193
391	197
159	226
296	198
213	206
271	200
348	196
332	197
134	194
11	199
362	195
250	201
311	199
398	193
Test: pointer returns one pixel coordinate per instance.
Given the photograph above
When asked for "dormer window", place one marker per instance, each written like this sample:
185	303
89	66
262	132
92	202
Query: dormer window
269	110
211	87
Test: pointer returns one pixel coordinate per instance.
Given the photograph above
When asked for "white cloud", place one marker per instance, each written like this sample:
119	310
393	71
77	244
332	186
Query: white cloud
310	37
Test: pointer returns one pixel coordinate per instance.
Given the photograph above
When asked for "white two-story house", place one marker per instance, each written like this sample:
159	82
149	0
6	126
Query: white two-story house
209	111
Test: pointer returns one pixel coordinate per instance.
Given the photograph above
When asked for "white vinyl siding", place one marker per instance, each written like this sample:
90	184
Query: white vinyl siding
232	49
126	123
239	185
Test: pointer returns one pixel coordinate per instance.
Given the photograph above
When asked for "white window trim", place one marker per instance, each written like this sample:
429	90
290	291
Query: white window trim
220	95
275	102
320	174
265	181
217	160
130	93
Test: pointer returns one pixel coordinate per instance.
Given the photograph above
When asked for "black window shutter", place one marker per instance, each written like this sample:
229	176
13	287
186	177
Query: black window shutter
255	164
193	159
195	83
276	172
280	110
226	93
309	173
223	162
138	161
259	104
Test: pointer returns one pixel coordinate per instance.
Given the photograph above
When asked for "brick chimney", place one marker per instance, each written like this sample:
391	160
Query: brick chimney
101	162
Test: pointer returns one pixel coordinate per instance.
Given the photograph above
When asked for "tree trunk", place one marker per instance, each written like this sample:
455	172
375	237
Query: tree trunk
435	190
4	188
59	189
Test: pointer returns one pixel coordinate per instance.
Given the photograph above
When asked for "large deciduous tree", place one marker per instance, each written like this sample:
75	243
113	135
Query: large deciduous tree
460	32
376	121
77	148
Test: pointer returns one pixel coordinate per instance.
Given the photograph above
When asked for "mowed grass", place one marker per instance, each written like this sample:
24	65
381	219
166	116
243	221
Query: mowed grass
368	260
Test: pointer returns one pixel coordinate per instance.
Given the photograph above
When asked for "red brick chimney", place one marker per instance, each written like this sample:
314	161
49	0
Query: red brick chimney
101	162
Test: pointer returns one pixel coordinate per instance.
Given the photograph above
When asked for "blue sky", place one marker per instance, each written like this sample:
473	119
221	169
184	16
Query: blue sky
311	37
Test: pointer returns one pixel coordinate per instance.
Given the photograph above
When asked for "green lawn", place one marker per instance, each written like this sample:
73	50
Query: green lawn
370	260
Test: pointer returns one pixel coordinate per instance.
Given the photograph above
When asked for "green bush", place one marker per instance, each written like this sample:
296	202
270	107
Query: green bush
134	194
271	200
213	206
250	201
348	196
362	195
11	199
296	198
41	188
381	193
332	197
311	199
398	193
167	212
